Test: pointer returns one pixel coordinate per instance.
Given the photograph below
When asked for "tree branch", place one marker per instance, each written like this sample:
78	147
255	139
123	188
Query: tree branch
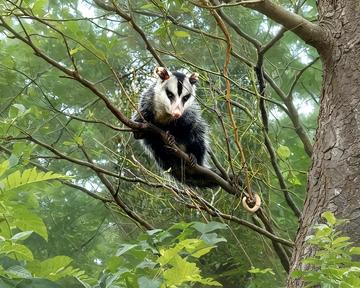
236	28
132	214
267	142
290	111
298	76
216	213
311	33
65	182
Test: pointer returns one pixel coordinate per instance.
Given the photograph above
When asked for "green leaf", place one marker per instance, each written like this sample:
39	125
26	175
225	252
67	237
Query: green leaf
76	30
75	50
13	160
17	110
20	107
124	248
206	281
49	268
3	167
161	31
146	264
330	217
15	251
312	261
114	263
19	148
79	140
191	245
195	247
168	255
29	283
283	152
29	176
355	250
294	180
145	282
324	231
202	252
212	238
180	226
68	143
208	227
182	271
340	240
18	272
21	236
28	221
39	7
5	230
181	34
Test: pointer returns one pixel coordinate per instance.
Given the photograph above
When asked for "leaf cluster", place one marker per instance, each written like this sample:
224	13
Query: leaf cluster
17	224
332	264
164	258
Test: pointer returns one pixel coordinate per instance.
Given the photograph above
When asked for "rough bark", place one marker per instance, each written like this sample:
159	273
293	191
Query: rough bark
334	179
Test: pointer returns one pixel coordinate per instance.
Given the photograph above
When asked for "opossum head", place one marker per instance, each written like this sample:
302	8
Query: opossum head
174	92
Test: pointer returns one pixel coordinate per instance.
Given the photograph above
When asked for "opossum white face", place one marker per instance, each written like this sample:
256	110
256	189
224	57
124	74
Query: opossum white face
174	93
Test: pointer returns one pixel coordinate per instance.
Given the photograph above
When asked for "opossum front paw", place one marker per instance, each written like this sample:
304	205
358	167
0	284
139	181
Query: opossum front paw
193	160
170	138
236	180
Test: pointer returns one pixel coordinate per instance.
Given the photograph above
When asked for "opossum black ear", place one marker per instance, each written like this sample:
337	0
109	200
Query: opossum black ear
162	73
194	78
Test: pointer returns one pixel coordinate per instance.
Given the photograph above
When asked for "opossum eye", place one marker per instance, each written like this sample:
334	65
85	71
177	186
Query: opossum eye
186	97
170	95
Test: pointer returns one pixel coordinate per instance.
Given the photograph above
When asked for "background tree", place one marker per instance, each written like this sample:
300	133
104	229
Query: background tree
67	64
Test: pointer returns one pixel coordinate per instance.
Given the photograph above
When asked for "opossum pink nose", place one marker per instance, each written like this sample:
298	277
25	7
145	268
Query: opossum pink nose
176	114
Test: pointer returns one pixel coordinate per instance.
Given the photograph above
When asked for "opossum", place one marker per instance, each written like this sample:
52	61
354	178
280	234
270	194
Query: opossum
170	104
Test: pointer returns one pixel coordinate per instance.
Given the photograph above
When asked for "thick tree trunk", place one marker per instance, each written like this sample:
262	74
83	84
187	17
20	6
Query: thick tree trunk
334	179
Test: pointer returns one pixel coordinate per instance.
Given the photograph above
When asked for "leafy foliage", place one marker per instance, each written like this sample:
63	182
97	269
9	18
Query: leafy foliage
164	258
157	259
16	259
332	265
29	176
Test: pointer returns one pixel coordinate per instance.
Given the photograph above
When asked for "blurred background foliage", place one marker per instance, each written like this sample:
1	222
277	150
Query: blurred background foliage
36	99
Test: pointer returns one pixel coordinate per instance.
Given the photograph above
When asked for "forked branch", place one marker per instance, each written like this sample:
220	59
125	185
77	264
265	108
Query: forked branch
311	33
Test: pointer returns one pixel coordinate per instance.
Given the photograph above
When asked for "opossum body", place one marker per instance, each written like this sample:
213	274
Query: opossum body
170	104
